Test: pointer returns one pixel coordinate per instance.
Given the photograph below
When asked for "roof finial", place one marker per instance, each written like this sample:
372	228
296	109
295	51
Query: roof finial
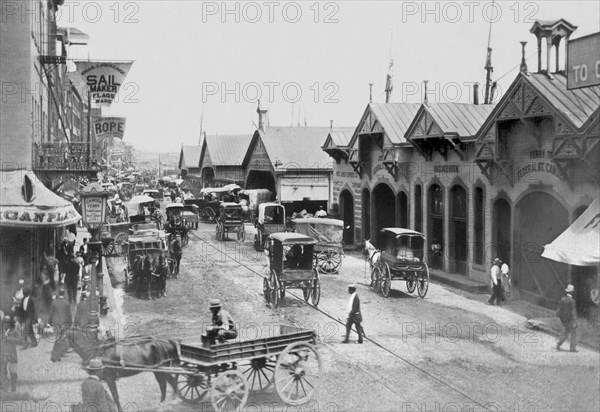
331	125
370	93
425	98
523	67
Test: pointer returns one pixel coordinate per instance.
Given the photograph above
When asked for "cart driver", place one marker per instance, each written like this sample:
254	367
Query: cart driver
222	328
294	256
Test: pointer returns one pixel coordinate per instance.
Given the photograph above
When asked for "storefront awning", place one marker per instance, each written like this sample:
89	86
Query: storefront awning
26	202
579	245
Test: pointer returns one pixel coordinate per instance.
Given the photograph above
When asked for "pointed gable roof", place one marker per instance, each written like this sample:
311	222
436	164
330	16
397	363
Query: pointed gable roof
189	157
225	150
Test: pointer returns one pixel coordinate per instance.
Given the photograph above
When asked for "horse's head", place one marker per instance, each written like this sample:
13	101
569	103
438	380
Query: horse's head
82	340
367	247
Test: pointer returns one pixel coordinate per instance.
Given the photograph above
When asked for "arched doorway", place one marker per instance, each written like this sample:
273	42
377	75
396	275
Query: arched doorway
458	229
366	214
259	179
501	231
402	203
539	219
347	210
384	207
436	222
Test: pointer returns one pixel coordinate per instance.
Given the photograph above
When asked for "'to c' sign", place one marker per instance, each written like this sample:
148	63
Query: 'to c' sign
583	62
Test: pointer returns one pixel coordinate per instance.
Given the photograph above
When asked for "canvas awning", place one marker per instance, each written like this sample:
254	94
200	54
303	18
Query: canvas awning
579	245
25	202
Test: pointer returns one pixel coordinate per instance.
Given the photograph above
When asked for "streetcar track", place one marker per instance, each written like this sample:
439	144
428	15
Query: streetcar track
330	316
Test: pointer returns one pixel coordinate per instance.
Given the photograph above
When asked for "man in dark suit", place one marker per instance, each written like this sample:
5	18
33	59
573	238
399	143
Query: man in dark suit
354	315
93	394
72	279
81	314
27	317
568	317
60	313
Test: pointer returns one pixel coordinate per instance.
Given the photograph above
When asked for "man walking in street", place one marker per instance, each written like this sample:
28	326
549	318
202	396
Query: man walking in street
72	279
93	394
8	354
496	283
60	314
354	315
27	317
568	317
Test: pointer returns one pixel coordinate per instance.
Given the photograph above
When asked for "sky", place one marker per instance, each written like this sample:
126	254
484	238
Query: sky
309	62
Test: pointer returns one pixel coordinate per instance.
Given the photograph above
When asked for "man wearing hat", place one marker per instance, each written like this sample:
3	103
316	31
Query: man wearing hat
60	313
222	327
354	315
8	353
93	394
82	311
568	317
496	283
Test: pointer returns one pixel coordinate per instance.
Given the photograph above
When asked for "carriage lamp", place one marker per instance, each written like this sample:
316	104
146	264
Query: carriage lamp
94	198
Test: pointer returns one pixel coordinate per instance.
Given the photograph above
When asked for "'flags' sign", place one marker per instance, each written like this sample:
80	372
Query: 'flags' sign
103	79
109	127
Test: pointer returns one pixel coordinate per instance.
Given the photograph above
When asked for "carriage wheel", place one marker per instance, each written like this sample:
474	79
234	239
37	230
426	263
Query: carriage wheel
259	373
274	290
266	290
411	282
108	248
229	392
376	276
192	388
329	260
386	281
209	214
423	282
316	289
297	373
306	291
119	242
241	234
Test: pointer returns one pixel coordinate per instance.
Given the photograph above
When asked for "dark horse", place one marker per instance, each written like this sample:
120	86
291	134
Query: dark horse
175	252
136	352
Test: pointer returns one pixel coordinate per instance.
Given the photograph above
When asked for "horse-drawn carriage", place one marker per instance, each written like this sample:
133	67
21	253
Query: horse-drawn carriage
207	209
147	262
401	257
141	208
291	267
270	219
230	219
113	237
329	234
176	225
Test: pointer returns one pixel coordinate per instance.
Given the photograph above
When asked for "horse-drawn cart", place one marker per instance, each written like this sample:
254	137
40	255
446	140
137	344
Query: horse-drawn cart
271	219
145	251
402	252
291	266
231	370
230	219
329	234
113	237
207	209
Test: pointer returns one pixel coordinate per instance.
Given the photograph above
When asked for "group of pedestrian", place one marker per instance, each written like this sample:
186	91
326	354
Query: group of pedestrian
498	274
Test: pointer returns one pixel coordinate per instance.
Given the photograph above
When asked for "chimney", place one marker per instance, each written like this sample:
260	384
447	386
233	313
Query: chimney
523	67
370	93
262	117
492	92
553	32
476	93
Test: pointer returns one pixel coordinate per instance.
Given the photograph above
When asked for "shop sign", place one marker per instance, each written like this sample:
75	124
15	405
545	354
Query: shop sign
103	79
583	62
34	218
539	167
109	127
93	210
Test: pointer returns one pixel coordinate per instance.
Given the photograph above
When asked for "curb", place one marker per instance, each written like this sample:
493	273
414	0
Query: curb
479	289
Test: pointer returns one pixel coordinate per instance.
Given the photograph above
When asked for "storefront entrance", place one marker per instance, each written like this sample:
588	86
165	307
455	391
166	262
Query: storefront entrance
384	208
436	225
539	219
366	214
258	179
458	230
347	210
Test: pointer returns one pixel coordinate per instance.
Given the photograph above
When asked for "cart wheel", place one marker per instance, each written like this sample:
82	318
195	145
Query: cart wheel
108	248
297	373
259	373
376	276
306	291
386	281
119	242
411	282
274	290
192	388
229	392
423	282
209	214
266	290
241	234
316	288
329	260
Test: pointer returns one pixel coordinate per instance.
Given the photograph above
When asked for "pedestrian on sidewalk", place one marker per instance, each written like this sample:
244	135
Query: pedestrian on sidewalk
60	314
72	279
18	297
82	311
27	317
354	315
8	354
496	283
93	394
568	317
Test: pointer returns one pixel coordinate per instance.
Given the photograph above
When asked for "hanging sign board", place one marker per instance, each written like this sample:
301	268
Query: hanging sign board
583	62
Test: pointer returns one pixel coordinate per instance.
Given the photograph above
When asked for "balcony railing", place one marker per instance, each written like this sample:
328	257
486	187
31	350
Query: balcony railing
62	156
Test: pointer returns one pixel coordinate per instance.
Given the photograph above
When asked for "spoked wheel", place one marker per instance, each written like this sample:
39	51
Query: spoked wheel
209	214
423	282
119	243
108	248
386	281
297	373
229	391
376	276
315	294
241	234
266	290
192	388
259	373
411	283
329	261
274	289
306	292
